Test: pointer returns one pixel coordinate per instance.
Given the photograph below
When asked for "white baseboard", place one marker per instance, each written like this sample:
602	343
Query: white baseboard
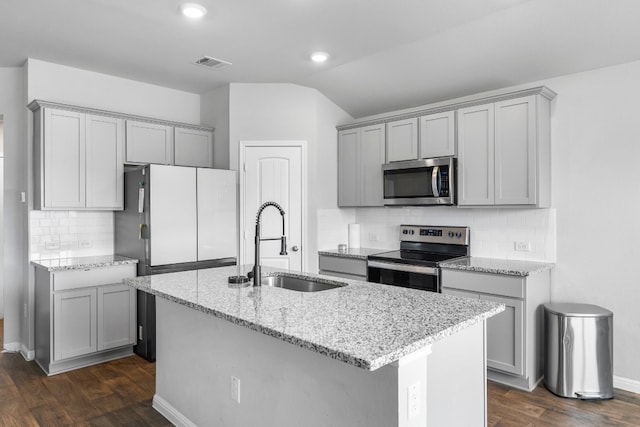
27	354
170	413
13	347
626	384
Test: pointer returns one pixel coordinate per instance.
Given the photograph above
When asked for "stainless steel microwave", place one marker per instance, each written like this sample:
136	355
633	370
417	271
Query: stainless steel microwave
420	182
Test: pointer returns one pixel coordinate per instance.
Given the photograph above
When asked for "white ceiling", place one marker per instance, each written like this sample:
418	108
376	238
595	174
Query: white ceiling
385	54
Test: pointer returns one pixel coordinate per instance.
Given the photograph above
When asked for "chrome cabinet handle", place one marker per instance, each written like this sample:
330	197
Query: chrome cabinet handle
294	249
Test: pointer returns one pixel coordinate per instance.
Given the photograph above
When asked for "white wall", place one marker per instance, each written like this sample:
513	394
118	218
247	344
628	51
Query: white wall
68	85
595	184
214	109
13	109
290	112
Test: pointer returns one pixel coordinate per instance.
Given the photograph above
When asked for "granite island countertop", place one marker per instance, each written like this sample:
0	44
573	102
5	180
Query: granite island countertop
367	325
496	266
358	253
83	263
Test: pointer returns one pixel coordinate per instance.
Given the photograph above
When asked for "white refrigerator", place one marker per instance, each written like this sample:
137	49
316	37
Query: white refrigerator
175	218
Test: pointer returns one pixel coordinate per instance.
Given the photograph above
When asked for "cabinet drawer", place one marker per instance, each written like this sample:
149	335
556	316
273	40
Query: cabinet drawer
356	267
75	279
343	275
496	284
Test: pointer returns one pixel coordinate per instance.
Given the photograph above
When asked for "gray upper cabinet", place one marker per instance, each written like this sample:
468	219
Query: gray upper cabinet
438	135
361	153
149	143
104	160
78	160
193	147
476	155
402	140
504	153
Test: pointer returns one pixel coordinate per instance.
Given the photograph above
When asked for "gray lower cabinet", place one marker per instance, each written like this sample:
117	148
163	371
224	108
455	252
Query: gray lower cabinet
83	317
339	266
515	336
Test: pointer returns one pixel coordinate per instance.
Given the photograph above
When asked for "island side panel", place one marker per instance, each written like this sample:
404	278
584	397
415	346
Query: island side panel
457	379
280	384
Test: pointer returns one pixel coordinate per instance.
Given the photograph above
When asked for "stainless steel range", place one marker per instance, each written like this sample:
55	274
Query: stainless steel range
415	265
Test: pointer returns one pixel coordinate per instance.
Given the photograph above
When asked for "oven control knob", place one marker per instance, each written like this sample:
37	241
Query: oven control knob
451	234
458	234
410	231
404	231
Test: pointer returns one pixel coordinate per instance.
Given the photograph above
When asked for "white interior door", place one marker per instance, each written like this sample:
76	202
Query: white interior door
273	172
217	214
173	216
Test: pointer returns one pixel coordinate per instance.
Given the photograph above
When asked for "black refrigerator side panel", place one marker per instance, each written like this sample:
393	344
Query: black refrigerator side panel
146	342
130	240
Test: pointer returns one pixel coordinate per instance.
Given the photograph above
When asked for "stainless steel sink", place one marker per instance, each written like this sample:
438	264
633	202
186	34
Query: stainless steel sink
300	284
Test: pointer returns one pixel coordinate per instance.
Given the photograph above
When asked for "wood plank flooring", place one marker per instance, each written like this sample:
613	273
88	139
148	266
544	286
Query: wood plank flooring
119	393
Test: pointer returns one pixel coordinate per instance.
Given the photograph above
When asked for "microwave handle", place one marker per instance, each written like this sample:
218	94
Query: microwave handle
435	178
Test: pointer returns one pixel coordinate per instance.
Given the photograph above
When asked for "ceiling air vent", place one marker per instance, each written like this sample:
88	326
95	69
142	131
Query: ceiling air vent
213	63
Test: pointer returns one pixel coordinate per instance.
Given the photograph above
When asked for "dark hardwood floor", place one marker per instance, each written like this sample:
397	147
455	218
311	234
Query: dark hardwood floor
119	393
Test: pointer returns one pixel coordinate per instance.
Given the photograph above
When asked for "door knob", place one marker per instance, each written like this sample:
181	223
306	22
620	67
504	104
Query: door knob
294	249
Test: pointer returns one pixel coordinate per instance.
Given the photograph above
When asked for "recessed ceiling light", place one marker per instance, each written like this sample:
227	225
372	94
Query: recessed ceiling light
193	10
319	56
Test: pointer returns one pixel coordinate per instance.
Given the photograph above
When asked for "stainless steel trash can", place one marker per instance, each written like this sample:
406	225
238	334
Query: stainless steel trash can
579	350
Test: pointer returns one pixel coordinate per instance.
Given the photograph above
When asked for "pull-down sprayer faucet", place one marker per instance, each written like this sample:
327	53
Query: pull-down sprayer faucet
283	241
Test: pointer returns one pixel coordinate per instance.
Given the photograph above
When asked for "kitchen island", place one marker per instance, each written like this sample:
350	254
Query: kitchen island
359	355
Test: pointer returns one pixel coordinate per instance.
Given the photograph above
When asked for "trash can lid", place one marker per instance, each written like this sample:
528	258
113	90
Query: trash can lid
577	310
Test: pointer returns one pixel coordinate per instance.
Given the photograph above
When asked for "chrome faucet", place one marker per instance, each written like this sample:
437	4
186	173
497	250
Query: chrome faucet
283	241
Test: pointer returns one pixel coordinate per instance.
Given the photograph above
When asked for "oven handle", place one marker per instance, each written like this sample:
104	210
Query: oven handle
435	176
403	267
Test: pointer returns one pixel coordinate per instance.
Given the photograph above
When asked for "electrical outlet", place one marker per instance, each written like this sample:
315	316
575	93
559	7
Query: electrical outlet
235	389
523	246
51	245
413	400
373	237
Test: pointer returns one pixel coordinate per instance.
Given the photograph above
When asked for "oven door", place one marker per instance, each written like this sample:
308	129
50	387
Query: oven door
419	182
404	275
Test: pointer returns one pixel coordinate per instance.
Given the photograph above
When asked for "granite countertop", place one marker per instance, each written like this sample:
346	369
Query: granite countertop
83	263
497	266
359	253
367	325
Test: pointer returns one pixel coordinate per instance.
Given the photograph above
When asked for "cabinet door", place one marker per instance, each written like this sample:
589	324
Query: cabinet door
459	293
505	336
348	167
74	323
105	169
149	143
64	159
402	140
515	152
371	157
116	316
437	135
193	147
476	155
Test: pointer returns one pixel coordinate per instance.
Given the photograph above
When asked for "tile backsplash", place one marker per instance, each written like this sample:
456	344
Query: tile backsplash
63	234
494	232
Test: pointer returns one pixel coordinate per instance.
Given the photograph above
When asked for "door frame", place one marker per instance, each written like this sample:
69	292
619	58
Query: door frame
303	171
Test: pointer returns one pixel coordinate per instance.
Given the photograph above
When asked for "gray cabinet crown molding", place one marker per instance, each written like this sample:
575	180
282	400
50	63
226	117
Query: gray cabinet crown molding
539	90
37	103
